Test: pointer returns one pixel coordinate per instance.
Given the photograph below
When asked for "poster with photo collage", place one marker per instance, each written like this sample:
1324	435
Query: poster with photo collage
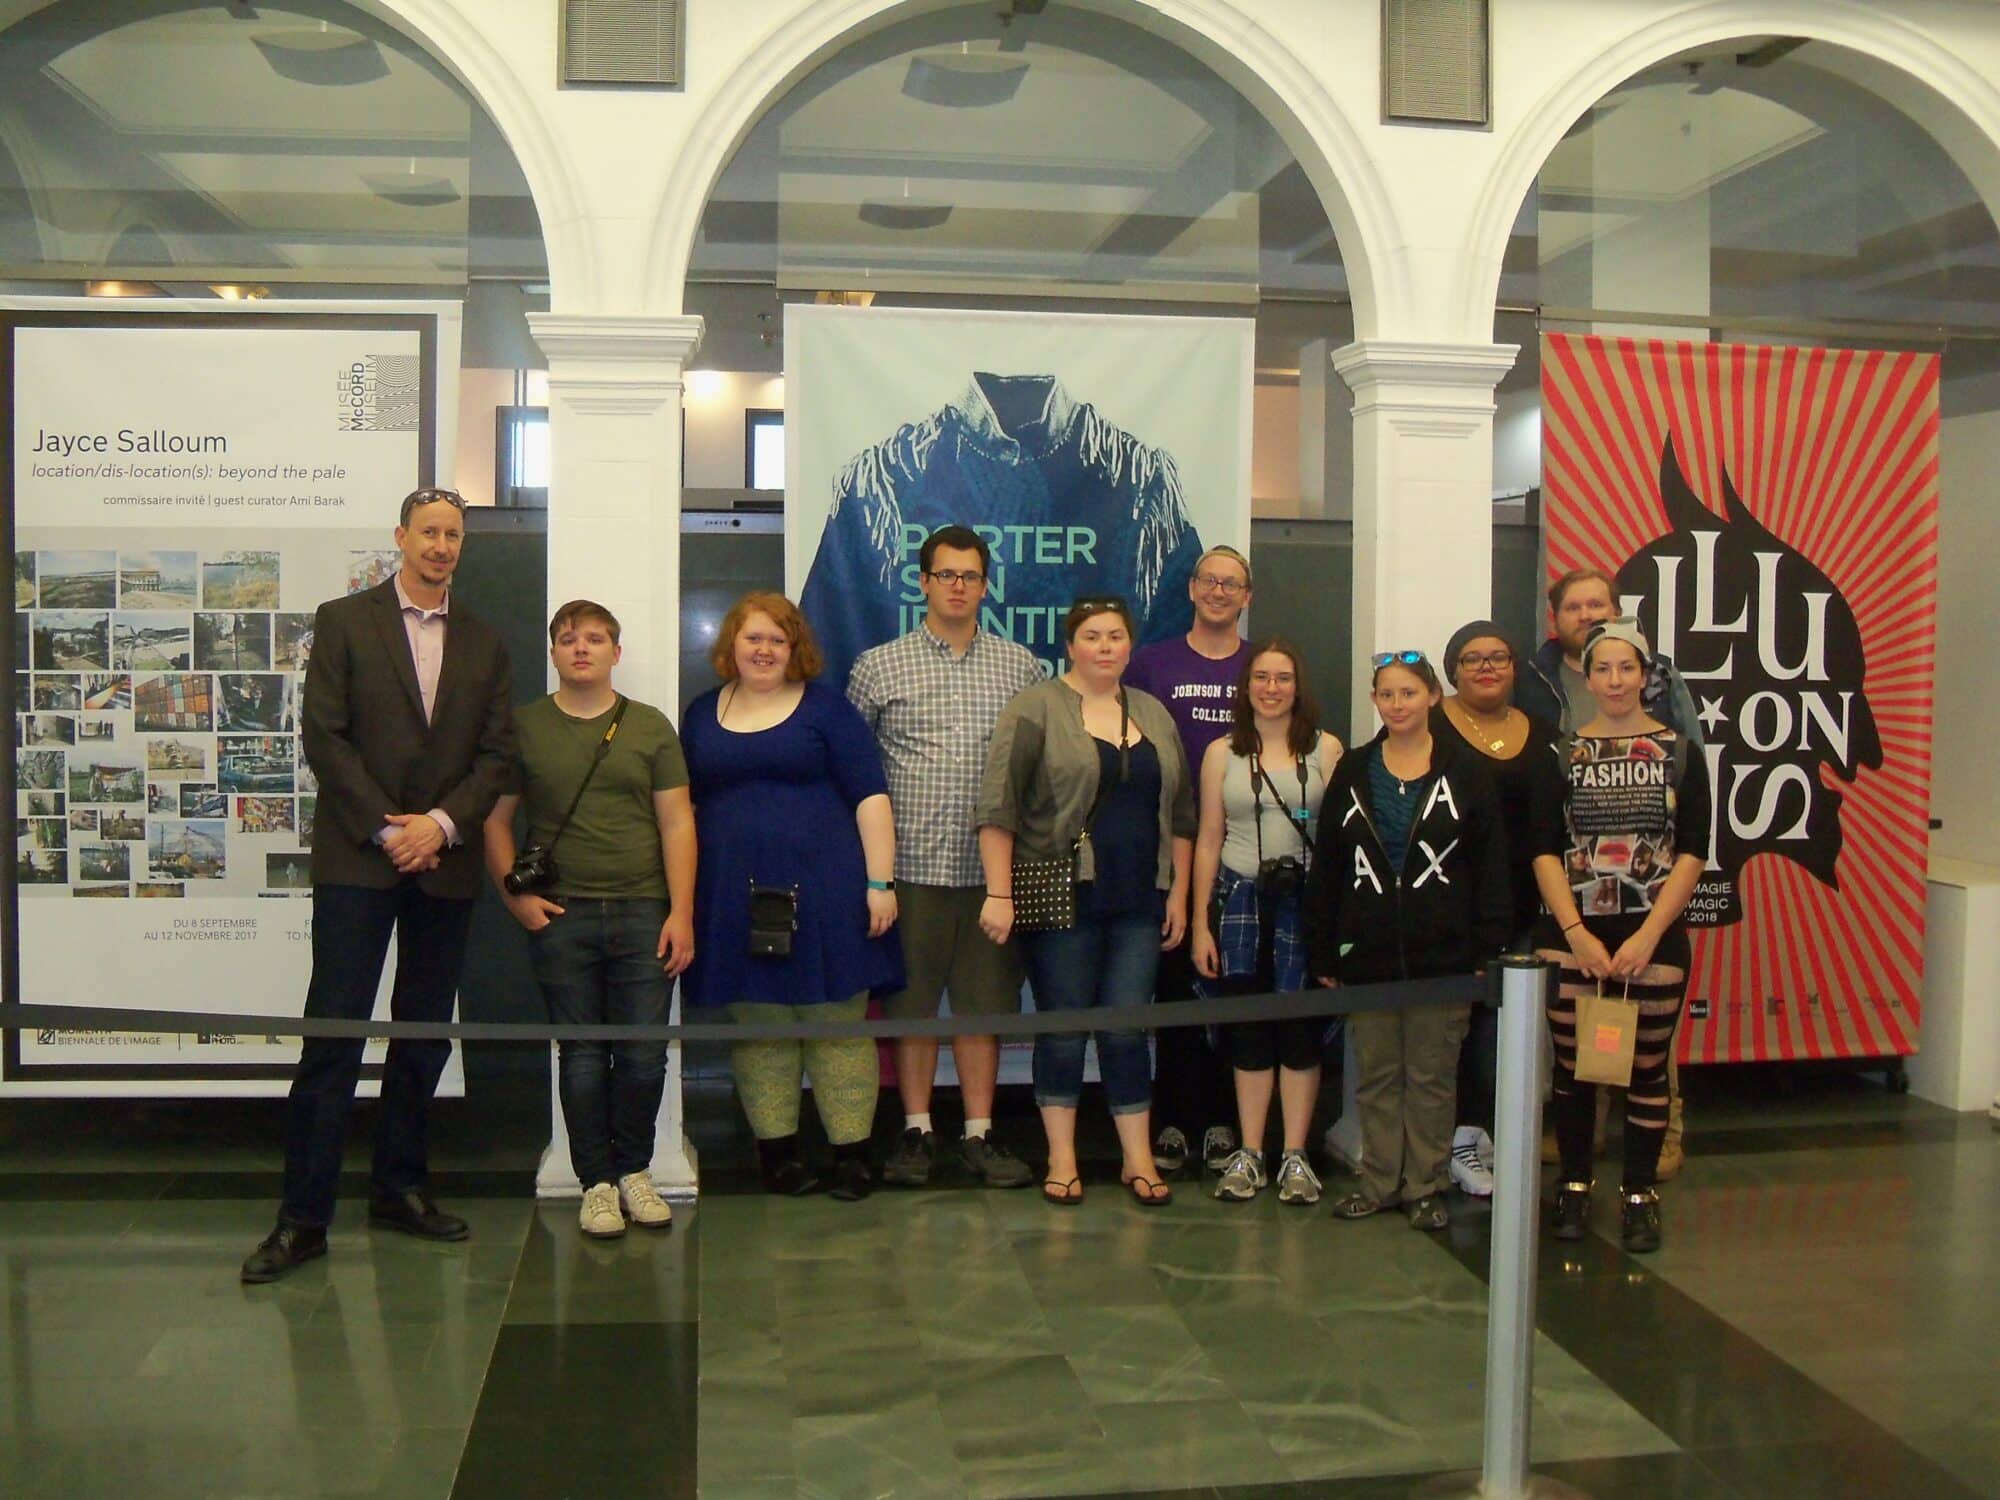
171	539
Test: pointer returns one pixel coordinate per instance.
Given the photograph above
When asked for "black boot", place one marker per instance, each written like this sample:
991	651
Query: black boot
1639	1220
783	1172
1572	1210
851	1179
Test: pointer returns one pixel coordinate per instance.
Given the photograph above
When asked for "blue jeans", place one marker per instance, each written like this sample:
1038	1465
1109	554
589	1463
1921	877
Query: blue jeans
1104	963
598	965
350	938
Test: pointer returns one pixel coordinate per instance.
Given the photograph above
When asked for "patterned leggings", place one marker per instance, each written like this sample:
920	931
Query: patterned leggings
845	1074
1575	1104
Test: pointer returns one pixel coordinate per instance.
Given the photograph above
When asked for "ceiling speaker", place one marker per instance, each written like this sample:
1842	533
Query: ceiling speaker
1437	61
623	42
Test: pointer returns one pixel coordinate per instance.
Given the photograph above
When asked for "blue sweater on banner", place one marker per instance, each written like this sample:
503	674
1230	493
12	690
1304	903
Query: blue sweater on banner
1070	504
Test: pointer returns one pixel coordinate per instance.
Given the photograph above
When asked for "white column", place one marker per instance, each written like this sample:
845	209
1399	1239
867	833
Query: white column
615	537
1423	495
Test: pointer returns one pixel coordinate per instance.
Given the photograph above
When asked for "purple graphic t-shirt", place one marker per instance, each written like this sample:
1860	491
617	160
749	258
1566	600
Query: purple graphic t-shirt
1195	688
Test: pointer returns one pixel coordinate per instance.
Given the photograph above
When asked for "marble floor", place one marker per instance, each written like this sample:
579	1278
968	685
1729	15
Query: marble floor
1819	1324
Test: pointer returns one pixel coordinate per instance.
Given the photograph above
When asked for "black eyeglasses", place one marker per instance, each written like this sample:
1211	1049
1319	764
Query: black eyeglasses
1407	658
1215	581
1472	661
953	577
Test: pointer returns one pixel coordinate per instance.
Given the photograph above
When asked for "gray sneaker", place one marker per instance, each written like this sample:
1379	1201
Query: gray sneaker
1218	1144
992	1163
1297	1182
909	1163
1242	1177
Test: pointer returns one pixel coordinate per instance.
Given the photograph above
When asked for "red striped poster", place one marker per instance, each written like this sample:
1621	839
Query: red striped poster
1770	514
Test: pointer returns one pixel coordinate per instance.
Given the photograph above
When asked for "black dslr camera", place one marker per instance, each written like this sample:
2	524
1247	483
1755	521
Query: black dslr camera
1281	879
534	872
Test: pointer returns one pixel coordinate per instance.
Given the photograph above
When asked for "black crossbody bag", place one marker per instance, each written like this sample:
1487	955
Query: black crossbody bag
1045	889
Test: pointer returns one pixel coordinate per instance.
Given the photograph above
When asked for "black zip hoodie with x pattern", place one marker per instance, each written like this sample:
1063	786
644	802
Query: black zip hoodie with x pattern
1444	911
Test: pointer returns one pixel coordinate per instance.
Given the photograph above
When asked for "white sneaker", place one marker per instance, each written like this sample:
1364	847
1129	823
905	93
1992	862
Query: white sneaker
642	1201
1469	1172
599	1216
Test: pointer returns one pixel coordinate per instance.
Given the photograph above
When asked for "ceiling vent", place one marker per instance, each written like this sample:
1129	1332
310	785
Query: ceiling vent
629	43
1437	62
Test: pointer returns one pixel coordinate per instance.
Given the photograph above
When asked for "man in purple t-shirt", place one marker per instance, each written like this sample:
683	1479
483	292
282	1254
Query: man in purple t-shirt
1195	676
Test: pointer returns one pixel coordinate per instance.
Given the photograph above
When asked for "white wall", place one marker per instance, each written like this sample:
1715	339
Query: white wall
1274	450
1968	707
715	403
1517	442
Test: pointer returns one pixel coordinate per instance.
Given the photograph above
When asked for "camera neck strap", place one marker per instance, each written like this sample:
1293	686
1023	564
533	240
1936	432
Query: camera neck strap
596	760
1260	782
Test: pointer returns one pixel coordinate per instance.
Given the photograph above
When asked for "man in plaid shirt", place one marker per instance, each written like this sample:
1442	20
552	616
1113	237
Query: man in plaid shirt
932	698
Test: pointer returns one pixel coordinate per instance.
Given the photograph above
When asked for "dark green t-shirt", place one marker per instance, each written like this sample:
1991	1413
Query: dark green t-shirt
611	848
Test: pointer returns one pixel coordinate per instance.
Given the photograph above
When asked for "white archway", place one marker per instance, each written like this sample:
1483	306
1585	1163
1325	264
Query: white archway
1891	58
1216	32
456	44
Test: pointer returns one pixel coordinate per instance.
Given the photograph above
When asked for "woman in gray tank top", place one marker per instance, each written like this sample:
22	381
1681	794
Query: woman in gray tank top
1261	787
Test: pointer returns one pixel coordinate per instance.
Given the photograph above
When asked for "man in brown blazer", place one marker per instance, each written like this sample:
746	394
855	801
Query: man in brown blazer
407	724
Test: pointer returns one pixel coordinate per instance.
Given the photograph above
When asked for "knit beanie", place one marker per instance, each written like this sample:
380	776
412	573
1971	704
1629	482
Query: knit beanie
1469	632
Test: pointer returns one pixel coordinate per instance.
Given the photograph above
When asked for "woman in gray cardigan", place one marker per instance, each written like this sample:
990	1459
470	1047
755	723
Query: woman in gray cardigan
1082	763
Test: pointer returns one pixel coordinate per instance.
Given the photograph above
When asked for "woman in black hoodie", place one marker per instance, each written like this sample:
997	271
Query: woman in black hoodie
1409	881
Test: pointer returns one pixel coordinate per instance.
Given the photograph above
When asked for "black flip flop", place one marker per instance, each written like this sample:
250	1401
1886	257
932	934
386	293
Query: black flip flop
1064	1198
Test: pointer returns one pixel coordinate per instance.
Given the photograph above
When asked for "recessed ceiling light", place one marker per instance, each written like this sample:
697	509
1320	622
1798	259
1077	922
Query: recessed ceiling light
411	189
963	81
905	215
326	57
123	289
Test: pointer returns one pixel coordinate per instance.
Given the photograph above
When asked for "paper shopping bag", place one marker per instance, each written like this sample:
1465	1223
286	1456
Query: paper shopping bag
1607	1030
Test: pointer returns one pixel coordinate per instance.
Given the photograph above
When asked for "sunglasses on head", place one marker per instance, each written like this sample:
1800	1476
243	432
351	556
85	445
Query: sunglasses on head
431	496
1407	658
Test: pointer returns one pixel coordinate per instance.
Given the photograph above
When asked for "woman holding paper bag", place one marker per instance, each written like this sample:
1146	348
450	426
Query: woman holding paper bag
1621	838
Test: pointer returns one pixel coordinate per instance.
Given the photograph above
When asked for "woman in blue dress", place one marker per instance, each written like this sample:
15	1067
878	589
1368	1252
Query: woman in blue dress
792	816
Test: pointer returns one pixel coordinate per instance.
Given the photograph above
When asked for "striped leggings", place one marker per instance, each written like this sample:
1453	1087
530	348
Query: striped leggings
1574	1104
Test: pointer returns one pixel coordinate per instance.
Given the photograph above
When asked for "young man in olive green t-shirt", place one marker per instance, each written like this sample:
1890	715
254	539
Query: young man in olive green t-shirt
614	923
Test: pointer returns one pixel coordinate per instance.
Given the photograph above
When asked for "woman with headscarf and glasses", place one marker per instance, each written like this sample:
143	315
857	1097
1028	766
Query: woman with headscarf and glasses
1409	881
1480	664
1086	787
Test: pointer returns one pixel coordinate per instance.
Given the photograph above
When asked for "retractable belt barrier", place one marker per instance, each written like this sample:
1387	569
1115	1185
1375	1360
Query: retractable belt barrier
1520	983
1457	989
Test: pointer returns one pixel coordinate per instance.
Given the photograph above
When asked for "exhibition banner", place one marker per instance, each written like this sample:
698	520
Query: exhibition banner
1096	454
1770	514
183	490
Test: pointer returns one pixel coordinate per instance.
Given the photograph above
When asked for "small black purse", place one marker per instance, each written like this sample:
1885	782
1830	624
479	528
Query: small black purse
774	917
1045	893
